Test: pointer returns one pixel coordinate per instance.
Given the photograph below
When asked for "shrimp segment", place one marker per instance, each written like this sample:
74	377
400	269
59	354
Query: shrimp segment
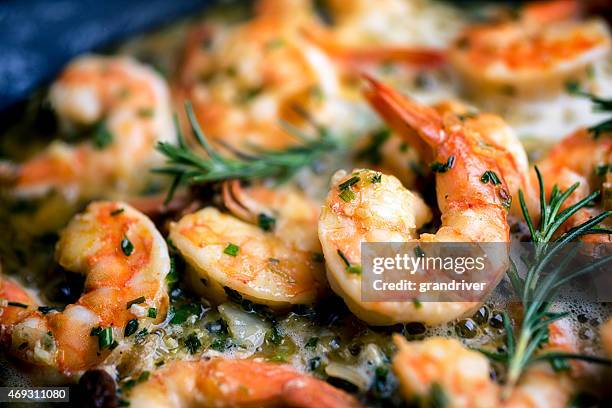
536	53
235	383
223	251
129	106
125	261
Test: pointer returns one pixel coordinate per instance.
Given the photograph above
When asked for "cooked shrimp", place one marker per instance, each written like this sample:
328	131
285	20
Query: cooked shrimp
587	160
235	383
383	211
223	251
285	211
250	76
128	104
537	53
443	368
125	261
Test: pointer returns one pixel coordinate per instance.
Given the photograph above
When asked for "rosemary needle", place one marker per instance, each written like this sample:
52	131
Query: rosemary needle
188	167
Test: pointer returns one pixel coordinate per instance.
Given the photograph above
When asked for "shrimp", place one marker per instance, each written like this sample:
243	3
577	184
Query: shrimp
125	261
127	104
462	376
249	77
536	54
443	368
581	158
266	267
221	383
381	210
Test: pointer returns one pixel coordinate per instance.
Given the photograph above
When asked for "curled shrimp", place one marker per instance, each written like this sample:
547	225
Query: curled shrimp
536	53
125	261
462	376
383	211
444	366
272	258
581	158
249	77
235	383
127	103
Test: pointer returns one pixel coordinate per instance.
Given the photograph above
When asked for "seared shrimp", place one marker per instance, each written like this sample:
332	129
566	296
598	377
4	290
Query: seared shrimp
249	77
379	209
223	251
537	53
587	160
443	368
127	104
235	383
125	261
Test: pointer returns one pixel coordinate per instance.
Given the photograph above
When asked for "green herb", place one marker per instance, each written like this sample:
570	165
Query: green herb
312	342
117	212
603	169
417	303
126	246
185	166
537	290
17	304
231	249
356	269
377	178
105	336
490	176
172	276
192	343
152	312
443	167
599	105
266	222
437	396
135	302
130	327
275	336
372	152
101	136
418	251
347	195
184	312
348	183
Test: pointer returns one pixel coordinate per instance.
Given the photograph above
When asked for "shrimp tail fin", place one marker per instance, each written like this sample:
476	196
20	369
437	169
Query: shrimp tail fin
420	125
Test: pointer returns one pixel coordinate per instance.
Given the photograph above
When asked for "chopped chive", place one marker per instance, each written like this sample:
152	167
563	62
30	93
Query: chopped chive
418	251
348	183
443	167
130	327
356	269
266	222
126	246
231	249
417	303
17	304
490	176
117	212
377	178
344	258
152	312
347	195
105	336
135	302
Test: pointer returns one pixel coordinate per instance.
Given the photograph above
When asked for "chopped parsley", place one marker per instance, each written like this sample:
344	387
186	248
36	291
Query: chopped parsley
443	167
136	301
266	222
126	246
130	327
231	249
490	176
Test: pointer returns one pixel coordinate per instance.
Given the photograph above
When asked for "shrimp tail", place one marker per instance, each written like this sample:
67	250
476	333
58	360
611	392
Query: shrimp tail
408	118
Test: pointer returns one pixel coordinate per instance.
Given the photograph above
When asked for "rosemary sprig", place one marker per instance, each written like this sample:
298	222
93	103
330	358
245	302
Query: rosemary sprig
188	167
599	105
538	290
